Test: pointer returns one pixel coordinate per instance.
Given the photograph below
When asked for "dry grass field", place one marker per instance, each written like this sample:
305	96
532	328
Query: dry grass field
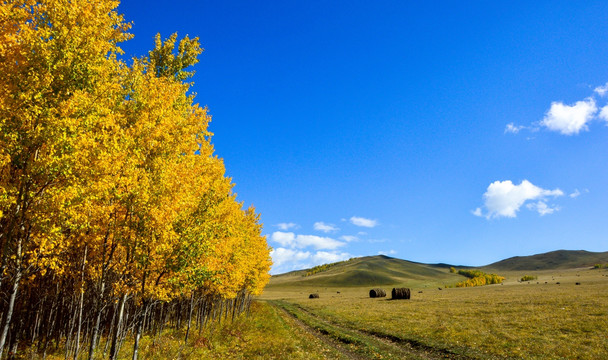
265	333
550	317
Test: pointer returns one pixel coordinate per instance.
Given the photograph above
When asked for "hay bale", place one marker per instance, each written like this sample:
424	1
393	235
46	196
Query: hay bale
401	293
313	296
377	292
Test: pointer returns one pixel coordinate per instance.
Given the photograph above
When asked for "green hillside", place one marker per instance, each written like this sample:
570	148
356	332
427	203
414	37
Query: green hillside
560	259
384	270
369	271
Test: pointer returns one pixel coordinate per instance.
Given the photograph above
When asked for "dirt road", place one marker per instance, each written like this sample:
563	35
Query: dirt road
354	343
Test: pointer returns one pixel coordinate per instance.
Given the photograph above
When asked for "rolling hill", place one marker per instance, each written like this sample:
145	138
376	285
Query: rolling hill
384	270
369	271
560	259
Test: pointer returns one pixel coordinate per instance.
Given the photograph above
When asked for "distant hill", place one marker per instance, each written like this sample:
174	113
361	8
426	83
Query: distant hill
384	270
370	271
560	259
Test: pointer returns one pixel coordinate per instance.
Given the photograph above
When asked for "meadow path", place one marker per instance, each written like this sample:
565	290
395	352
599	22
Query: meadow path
354	343
324	338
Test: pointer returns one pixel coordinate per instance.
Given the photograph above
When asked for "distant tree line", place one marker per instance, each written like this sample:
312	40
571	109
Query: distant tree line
116	217
477	278
528	278
321	268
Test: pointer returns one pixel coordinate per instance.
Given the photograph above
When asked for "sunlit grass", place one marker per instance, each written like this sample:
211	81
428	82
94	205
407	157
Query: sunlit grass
530	320
527	320
266	333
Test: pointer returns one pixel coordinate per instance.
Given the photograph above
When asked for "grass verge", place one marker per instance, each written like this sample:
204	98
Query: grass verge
266	333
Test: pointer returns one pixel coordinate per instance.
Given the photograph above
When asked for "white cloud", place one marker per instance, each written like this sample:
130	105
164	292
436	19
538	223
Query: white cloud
324	257
281	256
542	208
321	226
504	199
390	252
514	129
578	193
289	259
601	90
604	113
359	221
318	242
567	119
296	251
349	238
287	226
283	238
291	240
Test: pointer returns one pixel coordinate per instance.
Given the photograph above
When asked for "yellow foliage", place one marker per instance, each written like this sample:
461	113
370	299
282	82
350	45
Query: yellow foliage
479	278
114	161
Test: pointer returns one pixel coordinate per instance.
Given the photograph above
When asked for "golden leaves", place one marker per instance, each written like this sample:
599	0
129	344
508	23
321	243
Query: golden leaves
114	161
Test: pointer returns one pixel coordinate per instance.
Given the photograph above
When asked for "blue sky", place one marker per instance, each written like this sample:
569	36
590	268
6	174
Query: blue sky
428	131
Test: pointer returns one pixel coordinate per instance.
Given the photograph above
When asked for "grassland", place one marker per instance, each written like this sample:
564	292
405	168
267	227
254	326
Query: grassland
267	332
367	271
540	319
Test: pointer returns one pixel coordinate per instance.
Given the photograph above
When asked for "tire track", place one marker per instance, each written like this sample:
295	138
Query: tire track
395	347
322	336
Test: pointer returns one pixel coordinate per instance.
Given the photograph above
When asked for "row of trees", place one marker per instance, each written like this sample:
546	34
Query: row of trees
116	218
321	268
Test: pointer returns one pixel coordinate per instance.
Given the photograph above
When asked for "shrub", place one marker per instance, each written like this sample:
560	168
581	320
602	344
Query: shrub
478	278
528	278
471	273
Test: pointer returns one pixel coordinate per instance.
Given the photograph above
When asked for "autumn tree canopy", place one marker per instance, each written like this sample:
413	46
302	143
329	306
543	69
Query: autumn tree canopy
110	193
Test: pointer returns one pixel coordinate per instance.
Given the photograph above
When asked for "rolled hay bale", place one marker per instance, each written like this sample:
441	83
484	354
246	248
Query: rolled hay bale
377	292
313	296
401	293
